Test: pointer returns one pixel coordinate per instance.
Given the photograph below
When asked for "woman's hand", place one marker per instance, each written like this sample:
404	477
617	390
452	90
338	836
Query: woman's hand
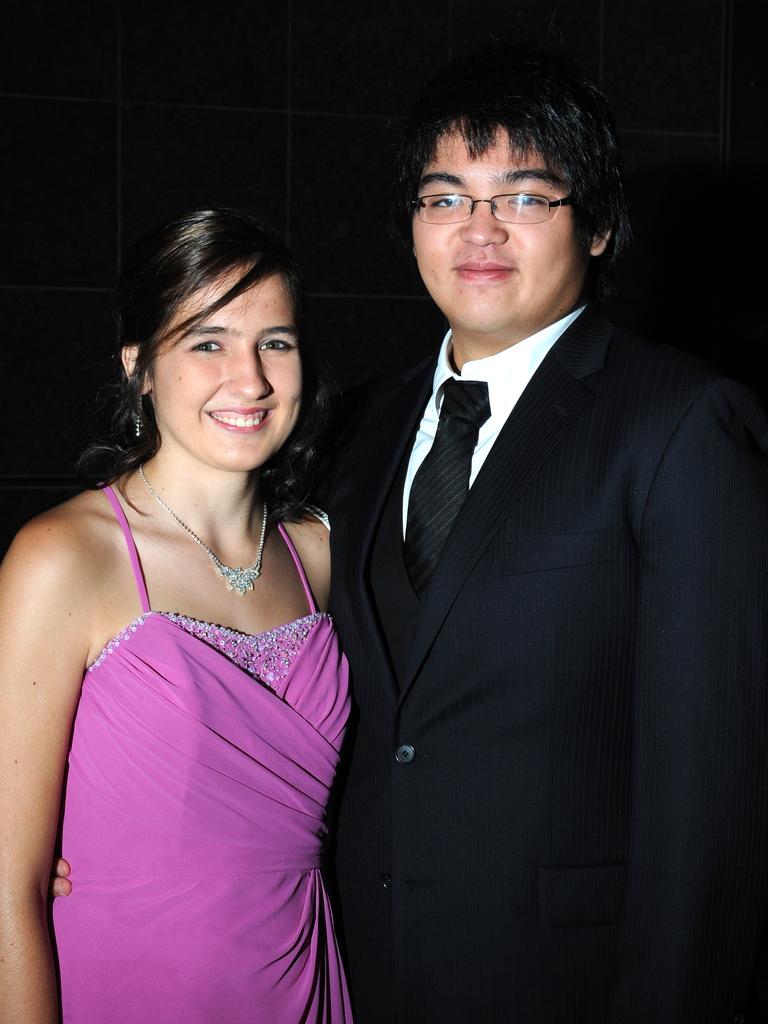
60	883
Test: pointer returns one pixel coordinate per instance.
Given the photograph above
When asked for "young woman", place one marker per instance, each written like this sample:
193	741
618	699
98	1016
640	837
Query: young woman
162	639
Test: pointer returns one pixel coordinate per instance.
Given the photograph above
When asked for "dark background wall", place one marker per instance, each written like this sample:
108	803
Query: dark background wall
117	114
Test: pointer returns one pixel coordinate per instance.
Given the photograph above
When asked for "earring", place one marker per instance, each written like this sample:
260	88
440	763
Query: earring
137	425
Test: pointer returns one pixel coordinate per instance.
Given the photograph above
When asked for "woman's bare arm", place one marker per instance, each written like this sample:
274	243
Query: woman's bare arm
44	640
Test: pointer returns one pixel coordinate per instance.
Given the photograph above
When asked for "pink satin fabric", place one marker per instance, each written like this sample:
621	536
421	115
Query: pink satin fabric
195	822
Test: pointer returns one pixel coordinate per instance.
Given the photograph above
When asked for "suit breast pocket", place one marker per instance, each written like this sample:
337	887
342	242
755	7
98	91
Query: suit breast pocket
561	550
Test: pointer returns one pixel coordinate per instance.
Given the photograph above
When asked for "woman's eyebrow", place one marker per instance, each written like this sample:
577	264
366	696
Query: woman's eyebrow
207	329
282	329
216	329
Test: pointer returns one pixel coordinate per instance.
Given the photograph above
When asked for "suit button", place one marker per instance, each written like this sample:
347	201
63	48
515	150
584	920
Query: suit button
386	880
405	754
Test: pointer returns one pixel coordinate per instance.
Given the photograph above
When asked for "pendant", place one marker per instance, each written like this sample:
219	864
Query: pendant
240	580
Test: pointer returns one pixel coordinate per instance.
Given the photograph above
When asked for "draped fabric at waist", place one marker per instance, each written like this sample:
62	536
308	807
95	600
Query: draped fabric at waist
101	842
181	763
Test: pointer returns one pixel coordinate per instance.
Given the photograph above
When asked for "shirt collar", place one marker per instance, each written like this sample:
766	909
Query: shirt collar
503	370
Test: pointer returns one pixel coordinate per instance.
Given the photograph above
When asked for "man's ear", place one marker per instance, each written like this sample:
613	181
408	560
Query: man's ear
599	243
128	355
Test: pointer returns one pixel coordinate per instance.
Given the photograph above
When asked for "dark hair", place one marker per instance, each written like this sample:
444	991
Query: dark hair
543	103
164	269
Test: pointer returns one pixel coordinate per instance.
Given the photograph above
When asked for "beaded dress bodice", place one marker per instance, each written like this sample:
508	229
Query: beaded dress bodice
267	657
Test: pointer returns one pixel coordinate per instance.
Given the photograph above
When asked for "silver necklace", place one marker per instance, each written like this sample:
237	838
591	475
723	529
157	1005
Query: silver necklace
238	579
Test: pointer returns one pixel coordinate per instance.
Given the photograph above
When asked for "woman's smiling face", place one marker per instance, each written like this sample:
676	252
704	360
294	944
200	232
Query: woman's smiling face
227	391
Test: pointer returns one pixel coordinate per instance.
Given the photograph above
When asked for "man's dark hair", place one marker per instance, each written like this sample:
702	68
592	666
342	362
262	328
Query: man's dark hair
543	103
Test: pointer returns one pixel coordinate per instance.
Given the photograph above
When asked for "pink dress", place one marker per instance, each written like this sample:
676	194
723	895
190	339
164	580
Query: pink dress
194	820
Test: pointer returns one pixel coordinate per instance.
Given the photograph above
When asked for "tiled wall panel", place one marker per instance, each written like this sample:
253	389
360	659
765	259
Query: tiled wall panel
175	158
58	203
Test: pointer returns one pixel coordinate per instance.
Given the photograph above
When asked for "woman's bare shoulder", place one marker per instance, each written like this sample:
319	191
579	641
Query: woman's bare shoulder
311	539
65	544
68	571
310	533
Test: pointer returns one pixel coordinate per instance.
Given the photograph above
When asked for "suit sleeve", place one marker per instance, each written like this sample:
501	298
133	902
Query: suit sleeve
698	863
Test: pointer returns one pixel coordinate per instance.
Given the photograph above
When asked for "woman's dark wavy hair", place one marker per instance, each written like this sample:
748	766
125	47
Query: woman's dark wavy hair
164	269
542	102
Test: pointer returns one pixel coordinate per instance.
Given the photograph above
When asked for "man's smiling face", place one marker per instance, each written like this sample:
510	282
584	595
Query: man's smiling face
497	283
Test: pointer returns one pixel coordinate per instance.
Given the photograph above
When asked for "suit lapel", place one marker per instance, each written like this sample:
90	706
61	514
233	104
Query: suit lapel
393	420
543	415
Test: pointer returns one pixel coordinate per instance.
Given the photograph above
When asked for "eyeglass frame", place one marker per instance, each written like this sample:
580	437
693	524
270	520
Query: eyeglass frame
551	204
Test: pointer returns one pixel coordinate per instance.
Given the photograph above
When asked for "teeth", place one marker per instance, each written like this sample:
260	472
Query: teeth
239	421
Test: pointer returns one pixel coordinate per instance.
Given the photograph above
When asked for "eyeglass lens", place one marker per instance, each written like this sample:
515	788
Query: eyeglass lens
519	207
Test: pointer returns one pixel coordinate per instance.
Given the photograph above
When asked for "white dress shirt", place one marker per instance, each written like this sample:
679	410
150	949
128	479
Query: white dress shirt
507	374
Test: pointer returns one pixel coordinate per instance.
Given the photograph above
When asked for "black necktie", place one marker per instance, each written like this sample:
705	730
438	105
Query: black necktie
442	481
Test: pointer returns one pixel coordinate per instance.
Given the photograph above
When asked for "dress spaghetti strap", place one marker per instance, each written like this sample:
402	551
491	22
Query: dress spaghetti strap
133	554
300	568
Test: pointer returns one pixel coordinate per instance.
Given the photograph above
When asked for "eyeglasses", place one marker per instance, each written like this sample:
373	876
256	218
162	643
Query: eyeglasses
518	208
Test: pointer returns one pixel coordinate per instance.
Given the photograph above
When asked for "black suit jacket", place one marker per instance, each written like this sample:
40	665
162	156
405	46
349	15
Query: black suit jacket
580	836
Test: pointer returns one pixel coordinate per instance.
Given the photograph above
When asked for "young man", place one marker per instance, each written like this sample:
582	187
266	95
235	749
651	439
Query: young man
551	579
